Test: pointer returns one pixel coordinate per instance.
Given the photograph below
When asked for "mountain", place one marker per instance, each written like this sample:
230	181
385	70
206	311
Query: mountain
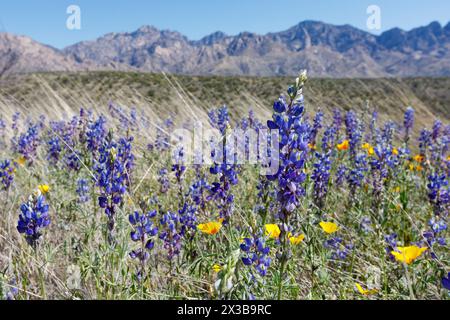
20	54
325	50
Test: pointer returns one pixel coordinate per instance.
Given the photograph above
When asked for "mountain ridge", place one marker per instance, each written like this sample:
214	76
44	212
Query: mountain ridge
326	50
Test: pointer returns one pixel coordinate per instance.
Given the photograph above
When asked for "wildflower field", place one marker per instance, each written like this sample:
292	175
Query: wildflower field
93	206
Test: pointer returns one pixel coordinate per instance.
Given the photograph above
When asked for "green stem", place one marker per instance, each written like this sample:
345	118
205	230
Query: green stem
41	277
280	284
408	279
284	259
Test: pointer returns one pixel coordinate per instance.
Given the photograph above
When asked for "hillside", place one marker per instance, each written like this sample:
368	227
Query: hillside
160	95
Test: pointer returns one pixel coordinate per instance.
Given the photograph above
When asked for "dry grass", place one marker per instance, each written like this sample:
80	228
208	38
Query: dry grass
188	98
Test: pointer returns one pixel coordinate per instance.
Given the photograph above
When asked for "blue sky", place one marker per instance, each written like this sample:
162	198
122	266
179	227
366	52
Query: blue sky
45	20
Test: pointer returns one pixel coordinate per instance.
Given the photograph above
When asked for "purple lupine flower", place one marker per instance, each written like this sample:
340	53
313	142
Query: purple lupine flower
188	220
179	168
33	218
434	235
68	134
125	154
72	160
144	231
219	118
387	134
356	174
380	165
251	122
294	138
265	193
293	129
13	291
62	143
436	131
337	120
409	118
27	143
198	190
321	177
226	169
111	177
83	190
163	131
170	234
391	244
446	282
15	122
7	171
446	140
439	193
341	175
408	122
339	249
256	253
366	225
438	143
329	139
54	150
424	141
354	135
317	125
220	191
163	180
96	133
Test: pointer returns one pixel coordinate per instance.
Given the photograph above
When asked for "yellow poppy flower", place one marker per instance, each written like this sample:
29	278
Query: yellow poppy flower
311	146
419	167
343	146
408	254
329	227
272	231
370	150
216	268
43	188
397	189
21	161
296	240
395	151
365	292
411	167
419	158
211	228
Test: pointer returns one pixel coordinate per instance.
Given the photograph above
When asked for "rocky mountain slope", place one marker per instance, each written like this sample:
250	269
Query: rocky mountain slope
325	50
